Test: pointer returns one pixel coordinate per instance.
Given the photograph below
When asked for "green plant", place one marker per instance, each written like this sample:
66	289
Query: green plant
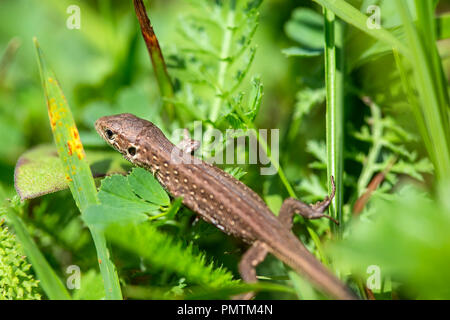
16	282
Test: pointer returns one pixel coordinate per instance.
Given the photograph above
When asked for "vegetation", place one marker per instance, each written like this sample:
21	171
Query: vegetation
358	90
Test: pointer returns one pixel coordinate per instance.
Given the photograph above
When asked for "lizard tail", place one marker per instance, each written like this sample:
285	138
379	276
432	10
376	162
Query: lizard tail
301	260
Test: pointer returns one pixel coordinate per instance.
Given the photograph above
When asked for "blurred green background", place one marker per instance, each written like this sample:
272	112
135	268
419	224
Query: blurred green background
104	68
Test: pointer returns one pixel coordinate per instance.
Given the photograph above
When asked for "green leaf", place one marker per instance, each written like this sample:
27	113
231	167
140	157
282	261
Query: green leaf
274	202
302	52
430	83
256	94
236	172
405	235
39	171
306	27
306	99
115	191
49	281
302	288
443	26
102	215
91	287
129	199
318	149
165	253
147	187
17	281
173	209
313	188
77	171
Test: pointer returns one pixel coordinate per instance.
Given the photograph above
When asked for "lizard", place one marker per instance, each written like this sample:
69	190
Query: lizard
220	199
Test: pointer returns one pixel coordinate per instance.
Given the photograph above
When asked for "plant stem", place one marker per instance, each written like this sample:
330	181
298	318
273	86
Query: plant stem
334	71
223	64
156	56
377	131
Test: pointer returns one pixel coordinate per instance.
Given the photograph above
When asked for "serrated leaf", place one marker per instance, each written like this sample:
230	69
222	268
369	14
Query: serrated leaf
257	94
115	191
233	119
318	149
414	169
147	187
102	215
314	189
236	172
166	253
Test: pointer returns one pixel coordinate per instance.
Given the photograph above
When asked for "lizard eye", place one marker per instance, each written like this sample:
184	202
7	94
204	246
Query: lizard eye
109	134
132	151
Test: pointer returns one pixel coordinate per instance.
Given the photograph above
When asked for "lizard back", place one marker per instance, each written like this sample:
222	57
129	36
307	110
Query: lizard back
215	195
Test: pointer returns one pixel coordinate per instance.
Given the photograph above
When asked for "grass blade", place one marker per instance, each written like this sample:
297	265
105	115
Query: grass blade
430	87
78	173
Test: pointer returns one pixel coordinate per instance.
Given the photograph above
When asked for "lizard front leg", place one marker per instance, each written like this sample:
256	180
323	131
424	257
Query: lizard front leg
291	206
188	145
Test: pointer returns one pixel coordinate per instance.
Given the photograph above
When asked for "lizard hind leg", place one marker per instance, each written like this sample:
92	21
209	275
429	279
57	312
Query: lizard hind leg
323	205
293	206
247	266
258	251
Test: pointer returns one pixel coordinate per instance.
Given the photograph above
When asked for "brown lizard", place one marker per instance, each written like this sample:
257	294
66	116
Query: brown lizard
222	200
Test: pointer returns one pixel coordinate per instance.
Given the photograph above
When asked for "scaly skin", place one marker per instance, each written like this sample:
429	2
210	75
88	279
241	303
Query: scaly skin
222	200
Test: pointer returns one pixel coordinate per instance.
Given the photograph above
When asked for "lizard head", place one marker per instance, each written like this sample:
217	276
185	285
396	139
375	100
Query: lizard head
121	131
